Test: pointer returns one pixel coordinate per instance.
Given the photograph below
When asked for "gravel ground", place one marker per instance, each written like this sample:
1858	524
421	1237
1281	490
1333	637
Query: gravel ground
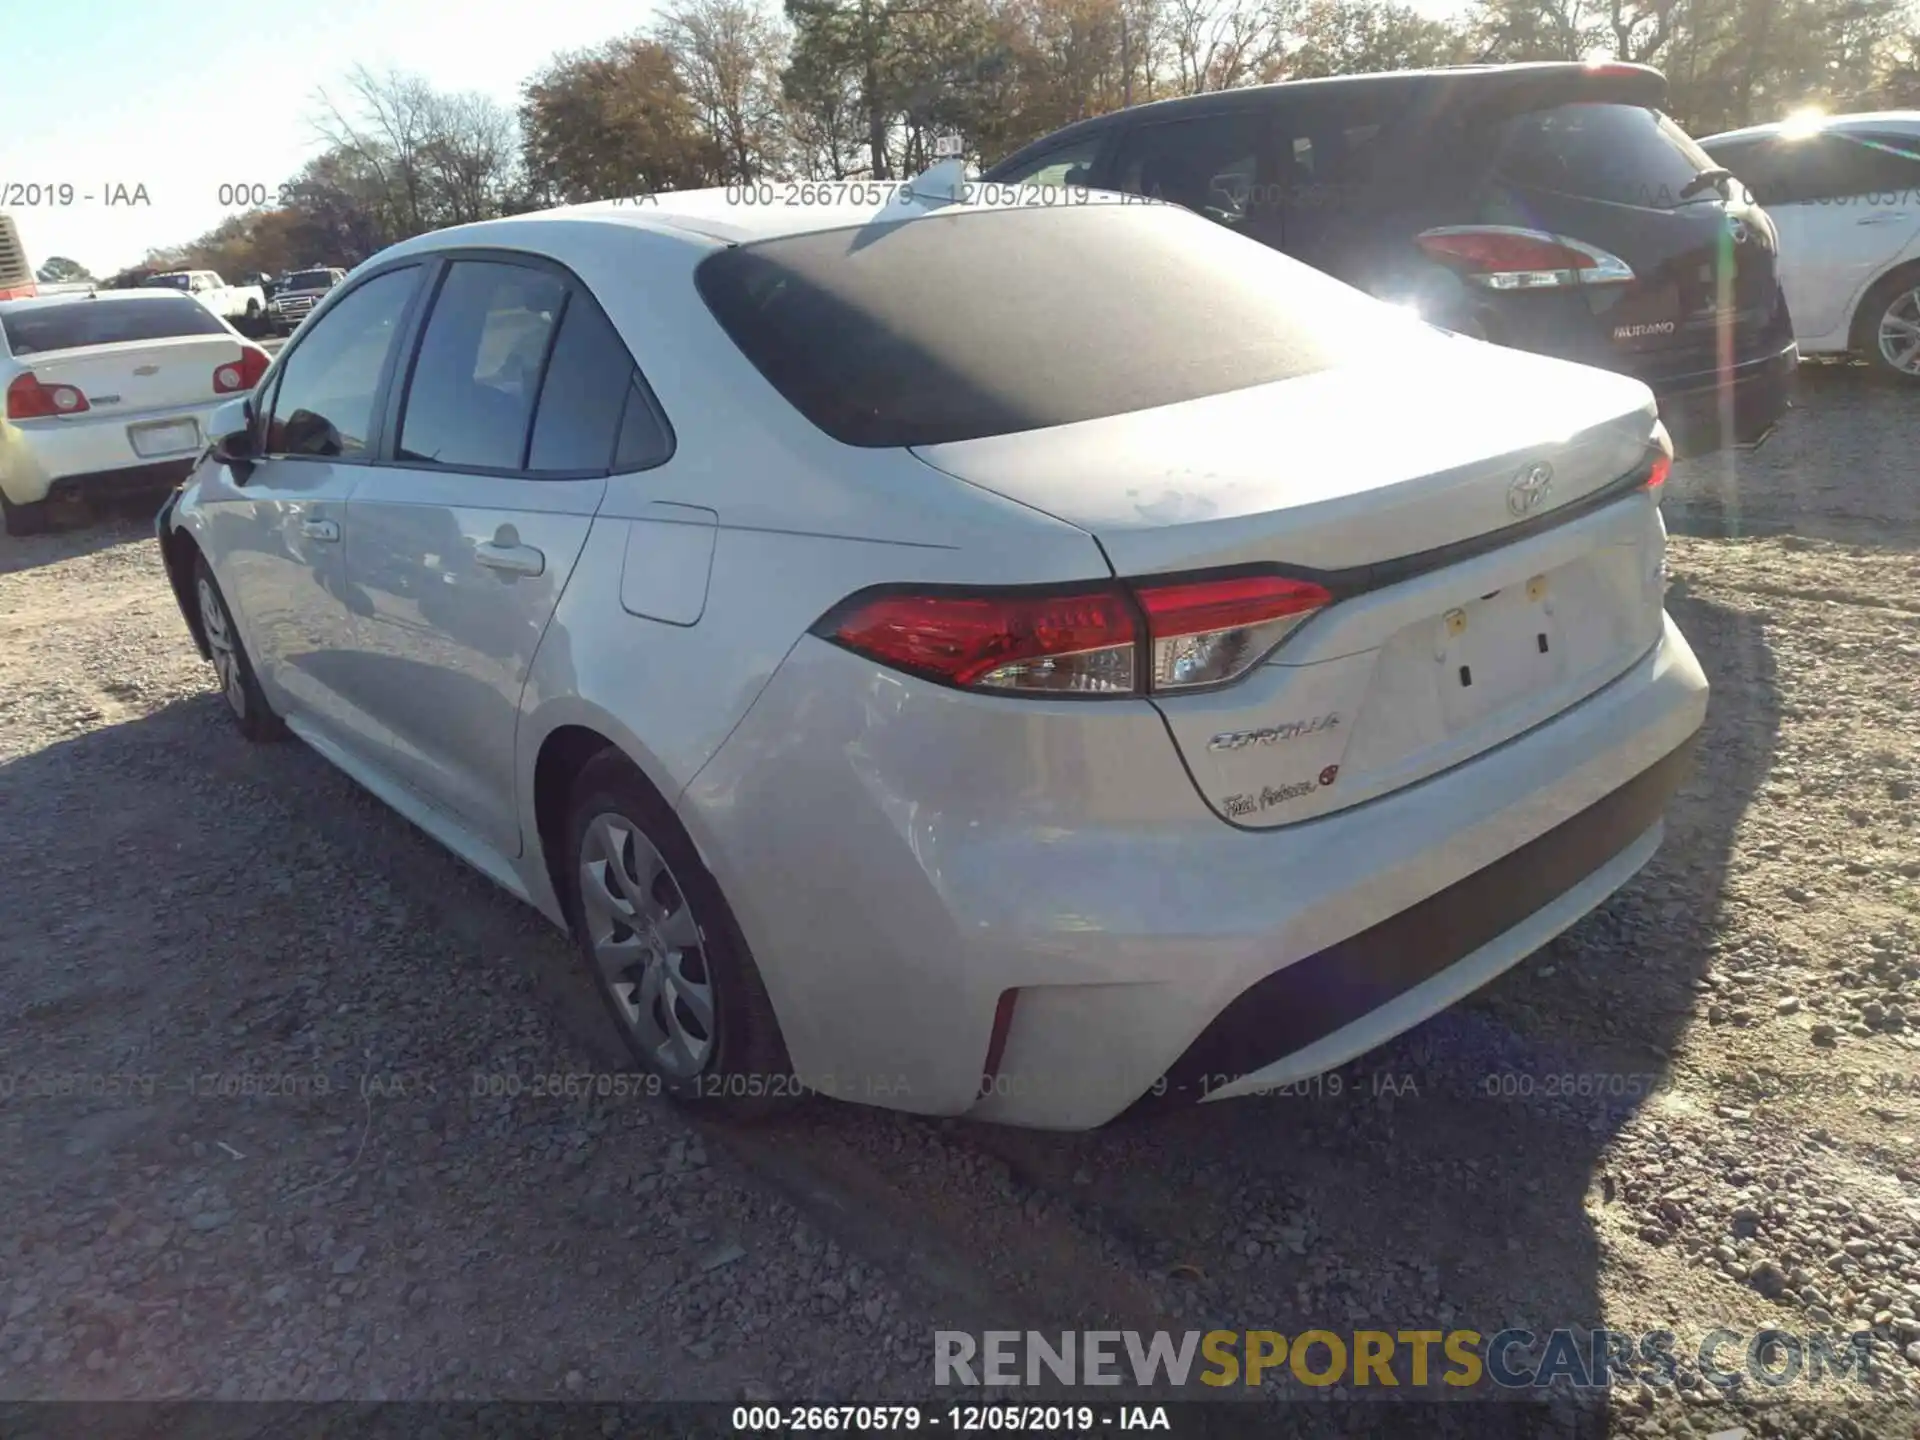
275	1011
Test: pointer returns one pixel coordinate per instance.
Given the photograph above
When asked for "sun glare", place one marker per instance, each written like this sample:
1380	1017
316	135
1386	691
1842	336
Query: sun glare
1803	122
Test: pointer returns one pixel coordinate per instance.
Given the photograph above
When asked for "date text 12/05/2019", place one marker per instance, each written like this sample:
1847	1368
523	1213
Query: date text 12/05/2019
960	1419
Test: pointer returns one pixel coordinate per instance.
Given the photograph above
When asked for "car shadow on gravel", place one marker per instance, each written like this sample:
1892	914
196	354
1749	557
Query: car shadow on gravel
1457	1178
79	529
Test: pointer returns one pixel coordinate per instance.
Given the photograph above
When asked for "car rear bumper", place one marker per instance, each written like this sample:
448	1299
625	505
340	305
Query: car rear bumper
42	458
1713	408
1147	946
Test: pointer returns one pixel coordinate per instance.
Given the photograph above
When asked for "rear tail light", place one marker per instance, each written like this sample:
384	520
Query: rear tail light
242	374
1206	632
1109	640
1662	463
18	292
1505	257
28	399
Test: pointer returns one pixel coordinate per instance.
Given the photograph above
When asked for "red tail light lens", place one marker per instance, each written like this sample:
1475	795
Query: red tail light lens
18	292
1198	633
242	374
1662	458
1207	632
1504	257
28	399
1078	642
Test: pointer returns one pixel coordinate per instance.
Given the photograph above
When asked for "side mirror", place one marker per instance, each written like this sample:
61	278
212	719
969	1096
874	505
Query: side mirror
231	430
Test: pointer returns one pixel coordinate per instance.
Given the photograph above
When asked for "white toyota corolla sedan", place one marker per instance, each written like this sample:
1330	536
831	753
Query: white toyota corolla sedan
109	392
975	659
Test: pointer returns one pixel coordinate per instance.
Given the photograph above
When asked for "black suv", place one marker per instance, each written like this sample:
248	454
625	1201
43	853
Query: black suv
1551	207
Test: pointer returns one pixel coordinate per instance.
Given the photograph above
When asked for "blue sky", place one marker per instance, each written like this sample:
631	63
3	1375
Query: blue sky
182	98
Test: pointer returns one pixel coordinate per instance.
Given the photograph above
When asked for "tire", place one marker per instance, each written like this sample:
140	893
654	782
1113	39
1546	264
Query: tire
682	989
239	686
29	518
1893	301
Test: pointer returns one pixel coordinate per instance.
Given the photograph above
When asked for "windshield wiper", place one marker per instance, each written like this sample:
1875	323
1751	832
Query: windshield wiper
1715	175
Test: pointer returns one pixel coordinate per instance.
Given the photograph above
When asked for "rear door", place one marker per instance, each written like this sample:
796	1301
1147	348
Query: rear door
464	538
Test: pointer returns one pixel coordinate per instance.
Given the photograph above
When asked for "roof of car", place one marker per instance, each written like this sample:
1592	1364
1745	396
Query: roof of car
734	215
1642	78
1906	120
68	297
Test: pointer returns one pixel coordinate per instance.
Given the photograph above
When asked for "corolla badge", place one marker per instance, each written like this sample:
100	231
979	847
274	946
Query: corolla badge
1529	488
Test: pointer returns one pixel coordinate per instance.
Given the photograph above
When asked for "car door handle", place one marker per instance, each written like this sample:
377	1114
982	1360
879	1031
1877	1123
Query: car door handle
1884	218
510	559
320	529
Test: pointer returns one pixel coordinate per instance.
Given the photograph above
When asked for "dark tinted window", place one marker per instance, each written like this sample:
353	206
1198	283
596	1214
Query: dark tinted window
308	280
1324	157
170	282
989	322
1814	168
584	394
106	322
644	438
470	401
1625	154
324	405
1206	165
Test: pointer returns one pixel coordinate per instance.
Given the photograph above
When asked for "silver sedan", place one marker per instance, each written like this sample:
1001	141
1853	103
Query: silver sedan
1018	662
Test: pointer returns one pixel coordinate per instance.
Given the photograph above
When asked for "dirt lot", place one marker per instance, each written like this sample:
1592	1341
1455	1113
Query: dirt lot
248	1011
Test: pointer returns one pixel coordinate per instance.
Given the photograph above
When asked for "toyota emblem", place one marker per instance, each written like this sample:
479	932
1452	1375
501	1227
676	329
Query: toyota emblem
1529	488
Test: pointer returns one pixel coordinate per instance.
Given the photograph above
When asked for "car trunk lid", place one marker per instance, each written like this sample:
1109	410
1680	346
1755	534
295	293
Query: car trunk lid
1455	502
138	375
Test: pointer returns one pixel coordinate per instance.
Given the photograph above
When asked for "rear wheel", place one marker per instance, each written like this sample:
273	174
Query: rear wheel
26	519
664	951
1889	331
238	684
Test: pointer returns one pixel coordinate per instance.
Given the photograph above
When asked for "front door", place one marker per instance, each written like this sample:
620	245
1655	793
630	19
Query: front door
279	534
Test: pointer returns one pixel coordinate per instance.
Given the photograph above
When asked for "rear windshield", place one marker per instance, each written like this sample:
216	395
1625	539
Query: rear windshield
1625	154
105	322
170	282
981	323
308	280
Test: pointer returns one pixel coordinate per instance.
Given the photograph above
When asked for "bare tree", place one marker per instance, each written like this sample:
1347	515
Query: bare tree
729	54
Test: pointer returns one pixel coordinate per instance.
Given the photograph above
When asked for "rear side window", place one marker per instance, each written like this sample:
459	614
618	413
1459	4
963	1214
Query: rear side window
982	323
106	322
470	402
583	398
1206	165
1624	154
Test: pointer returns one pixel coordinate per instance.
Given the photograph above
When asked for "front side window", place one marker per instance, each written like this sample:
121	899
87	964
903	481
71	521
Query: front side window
1816	169
470	401
329	381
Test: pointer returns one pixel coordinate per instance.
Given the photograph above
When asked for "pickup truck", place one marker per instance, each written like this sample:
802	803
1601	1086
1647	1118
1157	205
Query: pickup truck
297	293
243	306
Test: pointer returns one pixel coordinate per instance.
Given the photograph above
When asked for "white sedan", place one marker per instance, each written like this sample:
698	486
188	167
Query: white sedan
977	660
1844	194
109	392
